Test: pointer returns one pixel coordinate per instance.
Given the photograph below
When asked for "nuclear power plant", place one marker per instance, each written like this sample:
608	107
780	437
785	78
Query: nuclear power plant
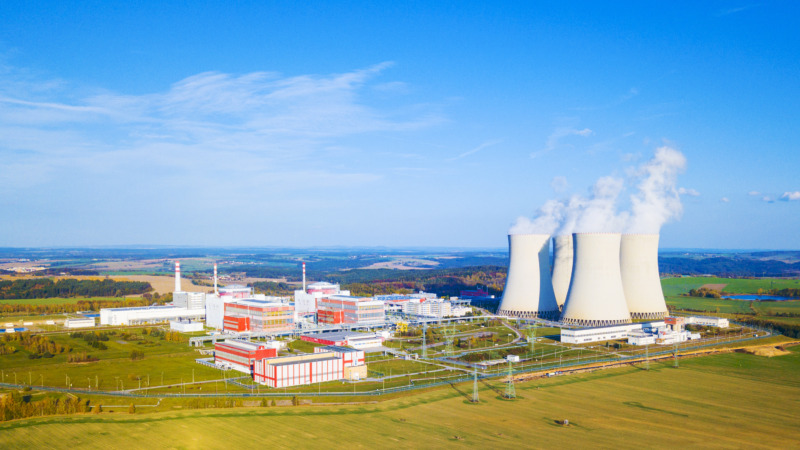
529	289
598	279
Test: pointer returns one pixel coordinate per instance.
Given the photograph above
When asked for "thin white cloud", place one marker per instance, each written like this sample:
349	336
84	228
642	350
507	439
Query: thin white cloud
553	141
725	200
729	11
754	193
256	123
767	199
477	149
790	196
688	191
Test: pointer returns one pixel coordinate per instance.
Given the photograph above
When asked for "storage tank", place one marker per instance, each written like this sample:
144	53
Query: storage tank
638	258
529	290
562	267
596	297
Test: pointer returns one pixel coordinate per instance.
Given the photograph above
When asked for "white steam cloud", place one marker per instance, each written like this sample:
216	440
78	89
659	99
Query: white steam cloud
654	202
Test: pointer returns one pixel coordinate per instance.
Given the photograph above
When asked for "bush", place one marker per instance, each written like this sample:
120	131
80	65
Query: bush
137	354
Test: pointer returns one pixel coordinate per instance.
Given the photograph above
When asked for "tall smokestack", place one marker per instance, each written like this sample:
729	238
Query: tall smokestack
215	279
562	267
638	258
596	297
304	277
529	290
178	276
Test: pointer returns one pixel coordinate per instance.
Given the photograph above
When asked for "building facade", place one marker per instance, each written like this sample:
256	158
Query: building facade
241	355
350	310
258	316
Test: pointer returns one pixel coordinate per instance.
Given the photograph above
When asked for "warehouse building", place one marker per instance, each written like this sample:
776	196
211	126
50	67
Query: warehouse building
708	321
82	322
241	355
288	371
147	314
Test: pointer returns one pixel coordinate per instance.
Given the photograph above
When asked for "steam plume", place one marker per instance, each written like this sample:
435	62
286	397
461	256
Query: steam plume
654	202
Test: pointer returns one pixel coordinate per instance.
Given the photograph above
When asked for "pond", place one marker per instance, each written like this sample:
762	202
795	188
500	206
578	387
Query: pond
757	297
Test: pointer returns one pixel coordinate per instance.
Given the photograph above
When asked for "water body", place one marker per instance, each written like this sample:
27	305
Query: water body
758	297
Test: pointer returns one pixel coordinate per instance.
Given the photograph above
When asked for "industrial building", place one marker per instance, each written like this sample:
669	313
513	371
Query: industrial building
529	289
241	355
147	314
258	316
345	309
708	321
185	326
607	333
596	296
305	300
79	322
349	338
434	308
290	371
354	361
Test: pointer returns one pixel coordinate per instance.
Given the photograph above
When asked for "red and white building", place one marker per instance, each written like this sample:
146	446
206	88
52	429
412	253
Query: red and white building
241	355
258	316
345	309
350	356
348	338
290	371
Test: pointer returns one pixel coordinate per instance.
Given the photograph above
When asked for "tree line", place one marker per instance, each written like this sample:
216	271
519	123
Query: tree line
83	305
27	288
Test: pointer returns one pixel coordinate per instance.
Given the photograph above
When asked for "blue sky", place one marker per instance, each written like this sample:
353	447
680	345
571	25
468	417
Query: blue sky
388	123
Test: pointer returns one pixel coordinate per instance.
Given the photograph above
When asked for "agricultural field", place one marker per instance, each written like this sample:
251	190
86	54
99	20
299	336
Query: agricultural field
621	408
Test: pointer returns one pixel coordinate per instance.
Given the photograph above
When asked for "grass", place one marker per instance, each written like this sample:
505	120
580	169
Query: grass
731	400
677	286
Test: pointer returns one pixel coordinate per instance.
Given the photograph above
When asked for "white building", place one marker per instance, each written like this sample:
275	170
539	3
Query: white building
598	334
79	322
185	326
708	321
189	300
147	314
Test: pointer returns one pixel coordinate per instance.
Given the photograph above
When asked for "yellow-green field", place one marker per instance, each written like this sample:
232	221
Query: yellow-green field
731	400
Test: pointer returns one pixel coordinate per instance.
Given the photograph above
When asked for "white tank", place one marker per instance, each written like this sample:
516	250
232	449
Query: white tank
596	297
529	290
562	267
638	258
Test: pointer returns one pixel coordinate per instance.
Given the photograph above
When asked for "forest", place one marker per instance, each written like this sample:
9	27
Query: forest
27	288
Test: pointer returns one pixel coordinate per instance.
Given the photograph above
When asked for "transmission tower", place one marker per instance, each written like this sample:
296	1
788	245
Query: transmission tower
676	355
531	331
449	335
511	392
646	357
475	387
424	340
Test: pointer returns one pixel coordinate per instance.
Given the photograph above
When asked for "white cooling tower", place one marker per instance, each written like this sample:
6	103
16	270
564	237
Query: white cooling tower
529	290
562	267
596	297
638	257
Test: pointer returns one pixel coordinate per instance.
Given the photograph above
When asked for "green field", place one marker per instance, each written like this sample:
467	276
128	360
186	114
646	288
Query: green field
677	286
732	400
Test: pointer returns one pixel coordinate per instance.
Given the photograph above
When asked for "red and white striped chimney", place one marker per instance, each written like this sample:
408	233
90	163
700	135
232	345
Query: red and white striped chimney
177	276
304	277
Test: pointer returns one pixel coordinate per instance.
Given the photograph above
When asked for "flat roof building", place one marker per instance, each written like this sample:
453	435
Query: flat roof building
241	355
147	314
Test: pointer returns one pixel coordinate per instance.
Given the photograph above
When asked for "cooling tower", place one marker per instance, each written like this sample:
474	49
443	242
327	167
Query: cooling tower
562	267
529	290
638	257
596	297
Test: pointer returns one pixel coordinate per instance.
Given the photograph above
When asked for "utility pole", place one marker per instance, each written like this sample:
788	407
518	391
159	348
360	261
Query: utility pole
676	355
424	340
646	357
475	387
